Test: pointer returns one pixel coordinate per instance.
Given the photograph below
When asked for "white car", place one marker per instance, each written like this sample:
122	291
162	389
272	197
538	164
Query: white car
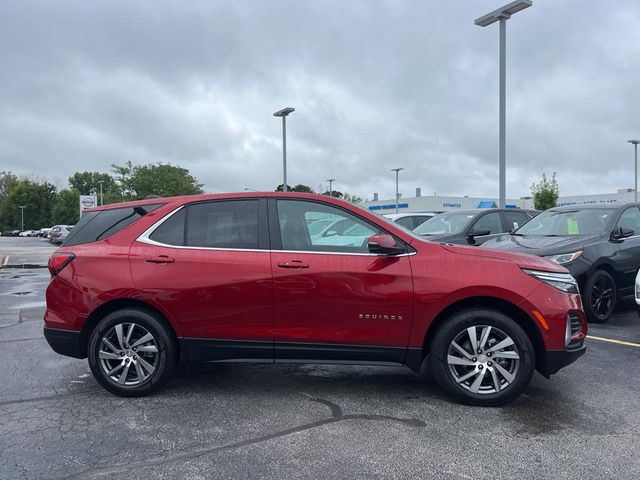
28	233
59	233
638	293
409	220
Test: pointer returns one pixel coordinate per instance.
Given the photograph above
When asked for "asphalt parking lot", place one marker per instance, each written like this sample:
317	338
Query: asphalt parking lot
302	422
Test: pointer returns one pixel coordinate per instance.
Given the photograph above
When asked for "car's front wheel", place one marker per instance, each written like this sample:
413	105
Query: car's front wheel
600	296
131	352
482	357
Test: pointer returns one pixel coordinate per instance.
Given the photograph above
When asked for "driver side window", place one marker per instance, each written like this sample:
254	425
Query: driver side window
311	226
630	219
491	222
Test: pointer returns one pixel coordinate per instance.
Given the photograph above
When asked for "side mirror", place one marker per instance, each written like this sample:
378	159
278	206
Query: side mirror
621	233
476	233
385	244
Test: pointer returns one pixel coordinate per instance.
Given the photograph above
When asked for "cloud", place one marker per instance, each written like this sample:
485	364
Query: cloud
376	85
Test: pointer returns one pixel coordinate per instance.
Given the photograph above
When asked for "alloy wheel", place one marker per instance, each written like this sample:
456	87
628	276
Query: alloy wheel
483	359
128	354
602	296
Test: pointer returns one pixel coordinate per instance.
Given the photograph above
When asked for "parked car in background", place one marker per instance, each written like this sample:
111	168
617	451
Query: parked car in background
637	293
409	220
473	226
44	232
59	233
28	233
15	233
239	277
599	244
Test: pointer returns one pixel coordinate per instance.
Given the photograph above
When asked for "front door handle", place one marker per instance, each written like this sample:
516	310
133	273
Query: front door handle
294	265
160	259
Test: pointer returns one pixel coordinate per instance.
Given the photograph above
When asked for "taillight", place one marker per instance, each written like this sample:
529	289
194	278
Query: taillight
58	261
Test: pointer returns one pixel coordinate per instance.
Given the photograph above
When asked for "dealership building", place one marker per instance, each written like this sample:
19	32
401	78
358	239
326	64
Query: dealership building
435	203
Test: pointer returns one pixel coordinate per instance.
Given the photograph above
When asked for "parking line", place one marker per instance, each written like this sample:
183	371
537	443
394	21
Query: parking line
5	260
611	340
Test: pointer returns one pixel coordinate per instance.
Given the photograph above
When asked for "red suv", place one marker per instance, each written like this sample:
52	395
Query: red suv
286	277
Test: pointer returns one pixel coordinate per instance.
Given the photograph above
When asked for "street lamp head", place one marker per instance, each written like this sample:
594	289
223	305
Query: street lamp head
396	169
331	179
284	112
503	12
635	142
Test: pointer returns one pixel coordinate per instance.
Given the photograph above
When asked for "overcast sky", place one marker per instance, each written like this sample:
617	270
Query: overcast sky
376	85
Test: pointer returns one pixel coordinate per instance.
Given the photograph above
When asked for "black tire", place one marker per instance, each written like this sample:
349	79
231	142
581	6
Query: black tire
163	360
484	360
600	296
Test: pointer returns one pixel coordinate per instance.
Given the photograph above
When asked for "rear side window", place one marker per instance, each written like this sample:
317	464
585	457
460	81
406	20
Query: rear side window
223	224
171	231
102	224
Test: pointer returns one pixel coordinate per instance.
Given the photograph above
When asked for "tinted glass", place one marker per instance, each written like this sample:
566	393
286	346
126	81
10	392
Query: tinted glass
227	224
515	220
406	222
104	223
491	222
417	221
446	223
590	221
630	219
171	231
343	232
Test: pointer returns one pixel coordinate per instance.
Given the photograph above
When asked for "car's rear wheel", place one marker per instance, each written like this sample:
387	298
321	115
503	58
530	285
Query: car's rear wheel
482	357
131	352
600	296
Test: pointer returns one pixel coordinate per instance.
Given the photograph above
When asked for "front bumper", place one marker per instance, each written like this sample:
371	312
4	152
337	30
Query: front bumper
65	342
554	360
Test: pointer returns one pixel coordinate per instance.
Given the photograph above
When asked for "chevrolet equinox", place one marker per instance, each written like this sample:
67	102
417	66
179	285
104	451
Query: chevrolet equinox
285	277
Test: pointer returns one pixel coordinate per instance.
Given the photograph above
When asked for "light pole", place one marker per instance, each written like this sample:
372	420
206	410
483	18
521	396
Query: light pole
284	113
101	197
331	180
397	170
635	176
502	15
22	207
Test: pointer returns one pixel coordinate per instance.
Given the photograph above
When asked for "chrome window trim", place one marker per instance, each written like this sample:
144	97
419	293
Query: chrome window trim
145	238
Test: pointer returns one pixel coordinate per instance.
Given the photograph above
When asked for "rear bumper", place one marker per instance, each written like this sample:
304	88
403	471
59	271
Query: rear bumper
554	360
65	342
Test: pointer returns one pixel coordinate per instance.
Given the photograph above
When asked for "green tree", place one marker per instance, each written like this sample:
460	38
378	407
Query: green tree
85	182
66	209
353	198
163	179
334	193
7	181
545	193
298	188
124	175
38	199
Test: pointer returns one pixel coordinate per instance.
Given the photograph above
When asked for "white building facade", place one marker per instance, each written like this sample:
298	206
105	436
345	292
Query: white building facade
444	204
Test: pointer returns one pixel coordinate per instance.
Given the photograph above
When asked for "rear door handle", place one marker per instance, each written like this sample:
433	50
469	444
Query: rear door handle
160	259
294	265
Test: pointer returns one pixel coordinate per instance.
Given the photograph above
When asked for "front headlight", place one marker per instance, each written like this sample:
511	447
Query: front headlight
638	288
564	257
561	281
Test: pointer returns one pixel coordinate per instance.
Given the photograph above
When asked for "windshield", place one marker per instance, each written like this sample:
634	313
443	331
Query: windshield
445	223
567	223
